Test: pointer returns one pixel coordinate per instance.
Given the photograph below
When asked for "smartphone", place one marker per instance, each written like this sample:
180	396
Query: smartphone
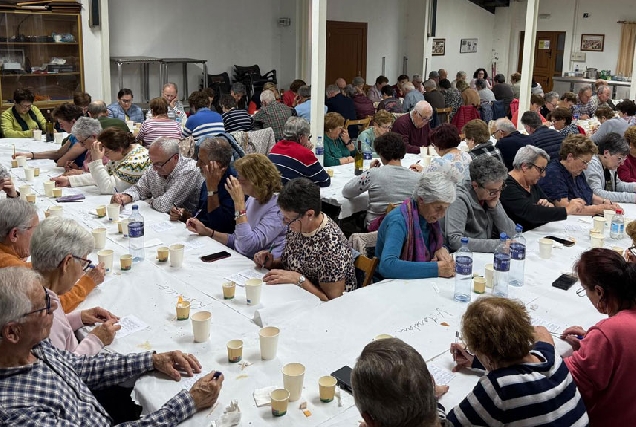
215	256
565	282
343	375
564	242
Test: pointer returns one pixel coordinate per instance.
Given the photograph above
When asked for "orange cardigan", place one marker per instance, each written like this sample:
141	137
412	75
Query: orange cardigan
71	299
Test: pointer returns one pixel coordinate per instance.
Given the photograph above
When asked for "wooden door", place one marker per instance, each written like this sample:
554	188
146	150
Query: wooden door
346	50
548	57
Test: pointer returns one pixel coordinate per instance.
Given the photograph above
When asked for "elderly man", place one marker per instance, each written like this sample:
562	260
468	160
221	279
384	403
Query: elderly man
477	213
433	96
98	110
603	98
338	103
273	114
509	140
363	105
341	83
550	103
542	136
239	93
375	92
443	74
42	385
414	127
170	93
460	76
417	82
216	207
124	109
434	75
303	106
293	156
203	122
585	106
411	96
173	179
390	371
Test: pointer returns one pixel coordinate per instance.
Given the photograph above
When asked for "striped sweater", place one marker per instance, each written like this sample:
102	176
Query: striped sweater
204	123
234	120
156	128
295	161
528	394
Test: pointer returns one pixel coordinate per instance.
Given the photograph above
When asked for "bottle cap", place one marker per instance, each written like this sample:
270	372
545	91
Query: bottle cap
518	228
464	240
135	207
619	211
503	236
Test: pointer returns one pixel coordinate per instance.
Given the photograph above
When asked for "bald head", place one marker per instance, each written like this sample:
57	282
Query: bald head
341	83
97	109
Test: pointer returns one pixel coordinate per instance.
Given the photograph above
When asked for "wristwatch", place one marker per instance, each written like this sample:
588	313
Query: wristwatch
238	214
301	280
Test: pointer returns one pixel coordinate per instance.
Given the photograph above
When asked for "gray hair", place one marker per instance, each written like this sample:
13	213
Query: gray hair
438	186
422	107
54	239
585	89
96	108
614	143
532	119
4	173
408	86
350	90
603	88
86	127
416	78
461	75
505	125
406	395
528	155
295	128
15	213
357	81
218	150
169	146
304	92
550	96
267	97
238	88
486	169
332	89
15	284
170	84
481	84
429	84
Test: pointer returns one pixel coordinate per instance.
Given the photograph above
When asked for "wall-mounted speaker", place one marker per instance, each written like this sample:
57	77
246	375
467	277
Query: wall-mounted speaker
93	13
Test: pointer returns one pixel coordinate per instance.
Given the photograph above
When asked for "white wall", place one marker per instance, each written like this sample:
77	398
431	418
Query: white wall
94	60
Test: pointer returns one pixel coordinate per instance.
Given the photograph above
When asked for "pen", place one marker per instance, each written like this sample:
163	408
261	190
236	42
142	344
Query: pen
197	213
418	162
456	342
267	254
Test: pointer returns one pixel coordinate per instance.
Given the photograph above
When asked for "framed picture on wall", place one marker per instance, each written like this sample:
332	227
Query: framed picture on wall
592	42
468	46
439	47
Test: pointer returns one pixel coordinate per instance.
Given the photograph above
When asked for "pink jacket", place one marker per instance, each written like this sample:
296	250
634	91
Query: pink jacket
62	333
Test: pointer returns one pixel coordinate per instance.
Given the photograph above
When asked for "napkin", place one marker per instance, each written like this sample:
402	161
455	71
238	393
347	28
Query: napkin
262	396
231	416
71	198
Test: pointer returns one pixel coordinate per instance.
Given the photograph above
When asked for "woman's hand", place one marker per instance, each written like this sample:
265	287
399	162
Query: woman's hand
545	203
106	331
96	315
8	187
97	273
197	226
575	206
375	163
278	277
121	198
61	181
346	160
573	336
442	254
344	135
175	213
213	173
416	167
97	151
463	359
446	268
235	189
264	259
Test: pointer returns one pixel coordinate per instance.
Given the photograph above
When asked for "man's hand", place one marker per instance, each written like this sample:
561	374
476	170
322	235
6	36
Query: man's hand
97	273
106	332
346	160
375	163
61	181
278	277
545	203
416	167
213	173
7	186
206	391
171	362
97	315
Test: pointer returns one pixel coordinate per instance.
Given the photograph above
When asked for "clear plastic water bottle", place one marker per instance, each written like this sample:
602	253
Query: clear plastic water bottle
502	268
171	114
617	229
517	257
367	153
575	113
319	149
463	272
136	235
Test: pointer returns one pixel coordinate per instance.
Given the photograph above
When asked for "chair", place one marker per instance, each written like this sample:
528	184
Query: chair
367	266
257	141
362	122
446	112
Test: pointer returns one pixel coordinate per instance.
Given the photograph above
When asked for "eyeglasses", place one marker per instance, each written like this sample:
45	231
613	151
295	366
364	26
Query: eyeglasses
386	127
585	162
160	165
424	118
125	101
288	222
581	292
540	169
83	141
24	106
87	263
496	132
620	159
494	192
47	308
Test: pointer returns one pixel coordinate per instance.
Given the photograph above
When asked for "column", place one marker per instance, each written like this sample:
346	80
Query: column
527	67
318	65
632	89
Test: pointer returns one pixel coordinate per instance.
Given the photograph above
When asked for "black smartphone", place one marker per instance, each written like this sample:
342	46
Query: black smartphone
215	256
565	282
564	242
343	375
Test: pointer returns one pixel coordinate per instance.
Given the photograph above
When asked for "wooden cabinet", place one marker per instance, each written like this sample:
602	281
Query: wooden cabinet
41	51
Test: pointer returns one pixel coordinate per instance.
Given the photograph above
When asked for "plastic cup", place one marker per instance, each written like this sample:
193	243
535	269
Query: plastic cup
327	388
201	325
29	174
101	211
24	190
479	285
269	342
329	172
30	198
57	192
183	310
176	255
113	211
21	161
124	226
253	289
423	151
229	288
36	171
234	351
280	400
618	250
130	124
608	214
489	274
382	337
598	240
99	234
426	161
48	188
599	224
293	375
125	262
106	256
163	253
58	137
56	211
37	135
545	248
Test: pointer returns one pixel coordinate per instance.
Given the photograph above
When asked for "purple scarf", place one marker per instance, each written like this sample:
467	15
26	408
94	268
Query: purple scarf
414	248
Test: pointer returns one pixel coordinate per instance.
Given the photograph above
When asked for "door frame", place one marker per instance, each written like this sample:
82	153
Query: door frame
556	51
358	25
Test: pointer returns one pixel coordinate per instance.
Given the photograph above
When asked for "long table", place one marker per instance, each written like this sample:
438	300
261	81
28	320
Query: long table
322	336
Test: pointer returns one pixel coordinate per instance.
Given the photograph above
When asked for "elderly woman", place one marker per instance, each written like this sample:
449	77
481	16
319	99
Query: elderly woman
72	153
290	96
567	100
562	120
128	161
445	140
82	100
627	171
452	96
564	180
382	123
609	123
258	221
388	184
316	256
480	74
485	93
525	383
602	363
612	152
477	138
23	118
339	148
364	106
523	200
159	124
476	212
410	242
59	249
6	184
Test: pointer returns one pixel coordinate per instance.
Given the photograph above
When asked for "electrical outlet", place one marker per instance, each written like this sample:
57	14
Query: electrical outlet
586	15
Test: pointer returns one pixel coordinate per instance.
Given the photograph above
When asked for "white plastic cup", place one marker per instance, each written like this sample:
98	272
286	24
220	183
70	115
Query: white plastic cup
29	174
598	240
99	235
176	255
201	325
608	214
106	256
599	224
113	211
48	188
130	124
253	289
545	248
21	161
37	135
57	211
293	375
269	342
58	137
489	274
124	226
24	190
426	161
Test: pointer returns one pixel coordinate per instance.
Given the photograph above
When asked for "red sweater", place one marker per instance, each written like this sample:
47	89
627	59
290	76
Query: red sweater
413	137
627	171
603	369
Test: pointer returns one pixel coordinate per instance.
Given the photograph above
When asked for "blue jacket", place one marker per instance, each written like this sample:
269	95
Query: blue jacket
547	139
509	145
222	218
134	113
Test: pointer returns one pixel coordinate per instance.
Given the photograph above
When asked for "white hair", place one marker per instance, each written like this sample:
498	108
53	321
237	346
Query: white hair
85	127
267	97
15	213
15	284
505	125
54	239
408	86
430	84
169	146
438	186
602	88
422	107
528	155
